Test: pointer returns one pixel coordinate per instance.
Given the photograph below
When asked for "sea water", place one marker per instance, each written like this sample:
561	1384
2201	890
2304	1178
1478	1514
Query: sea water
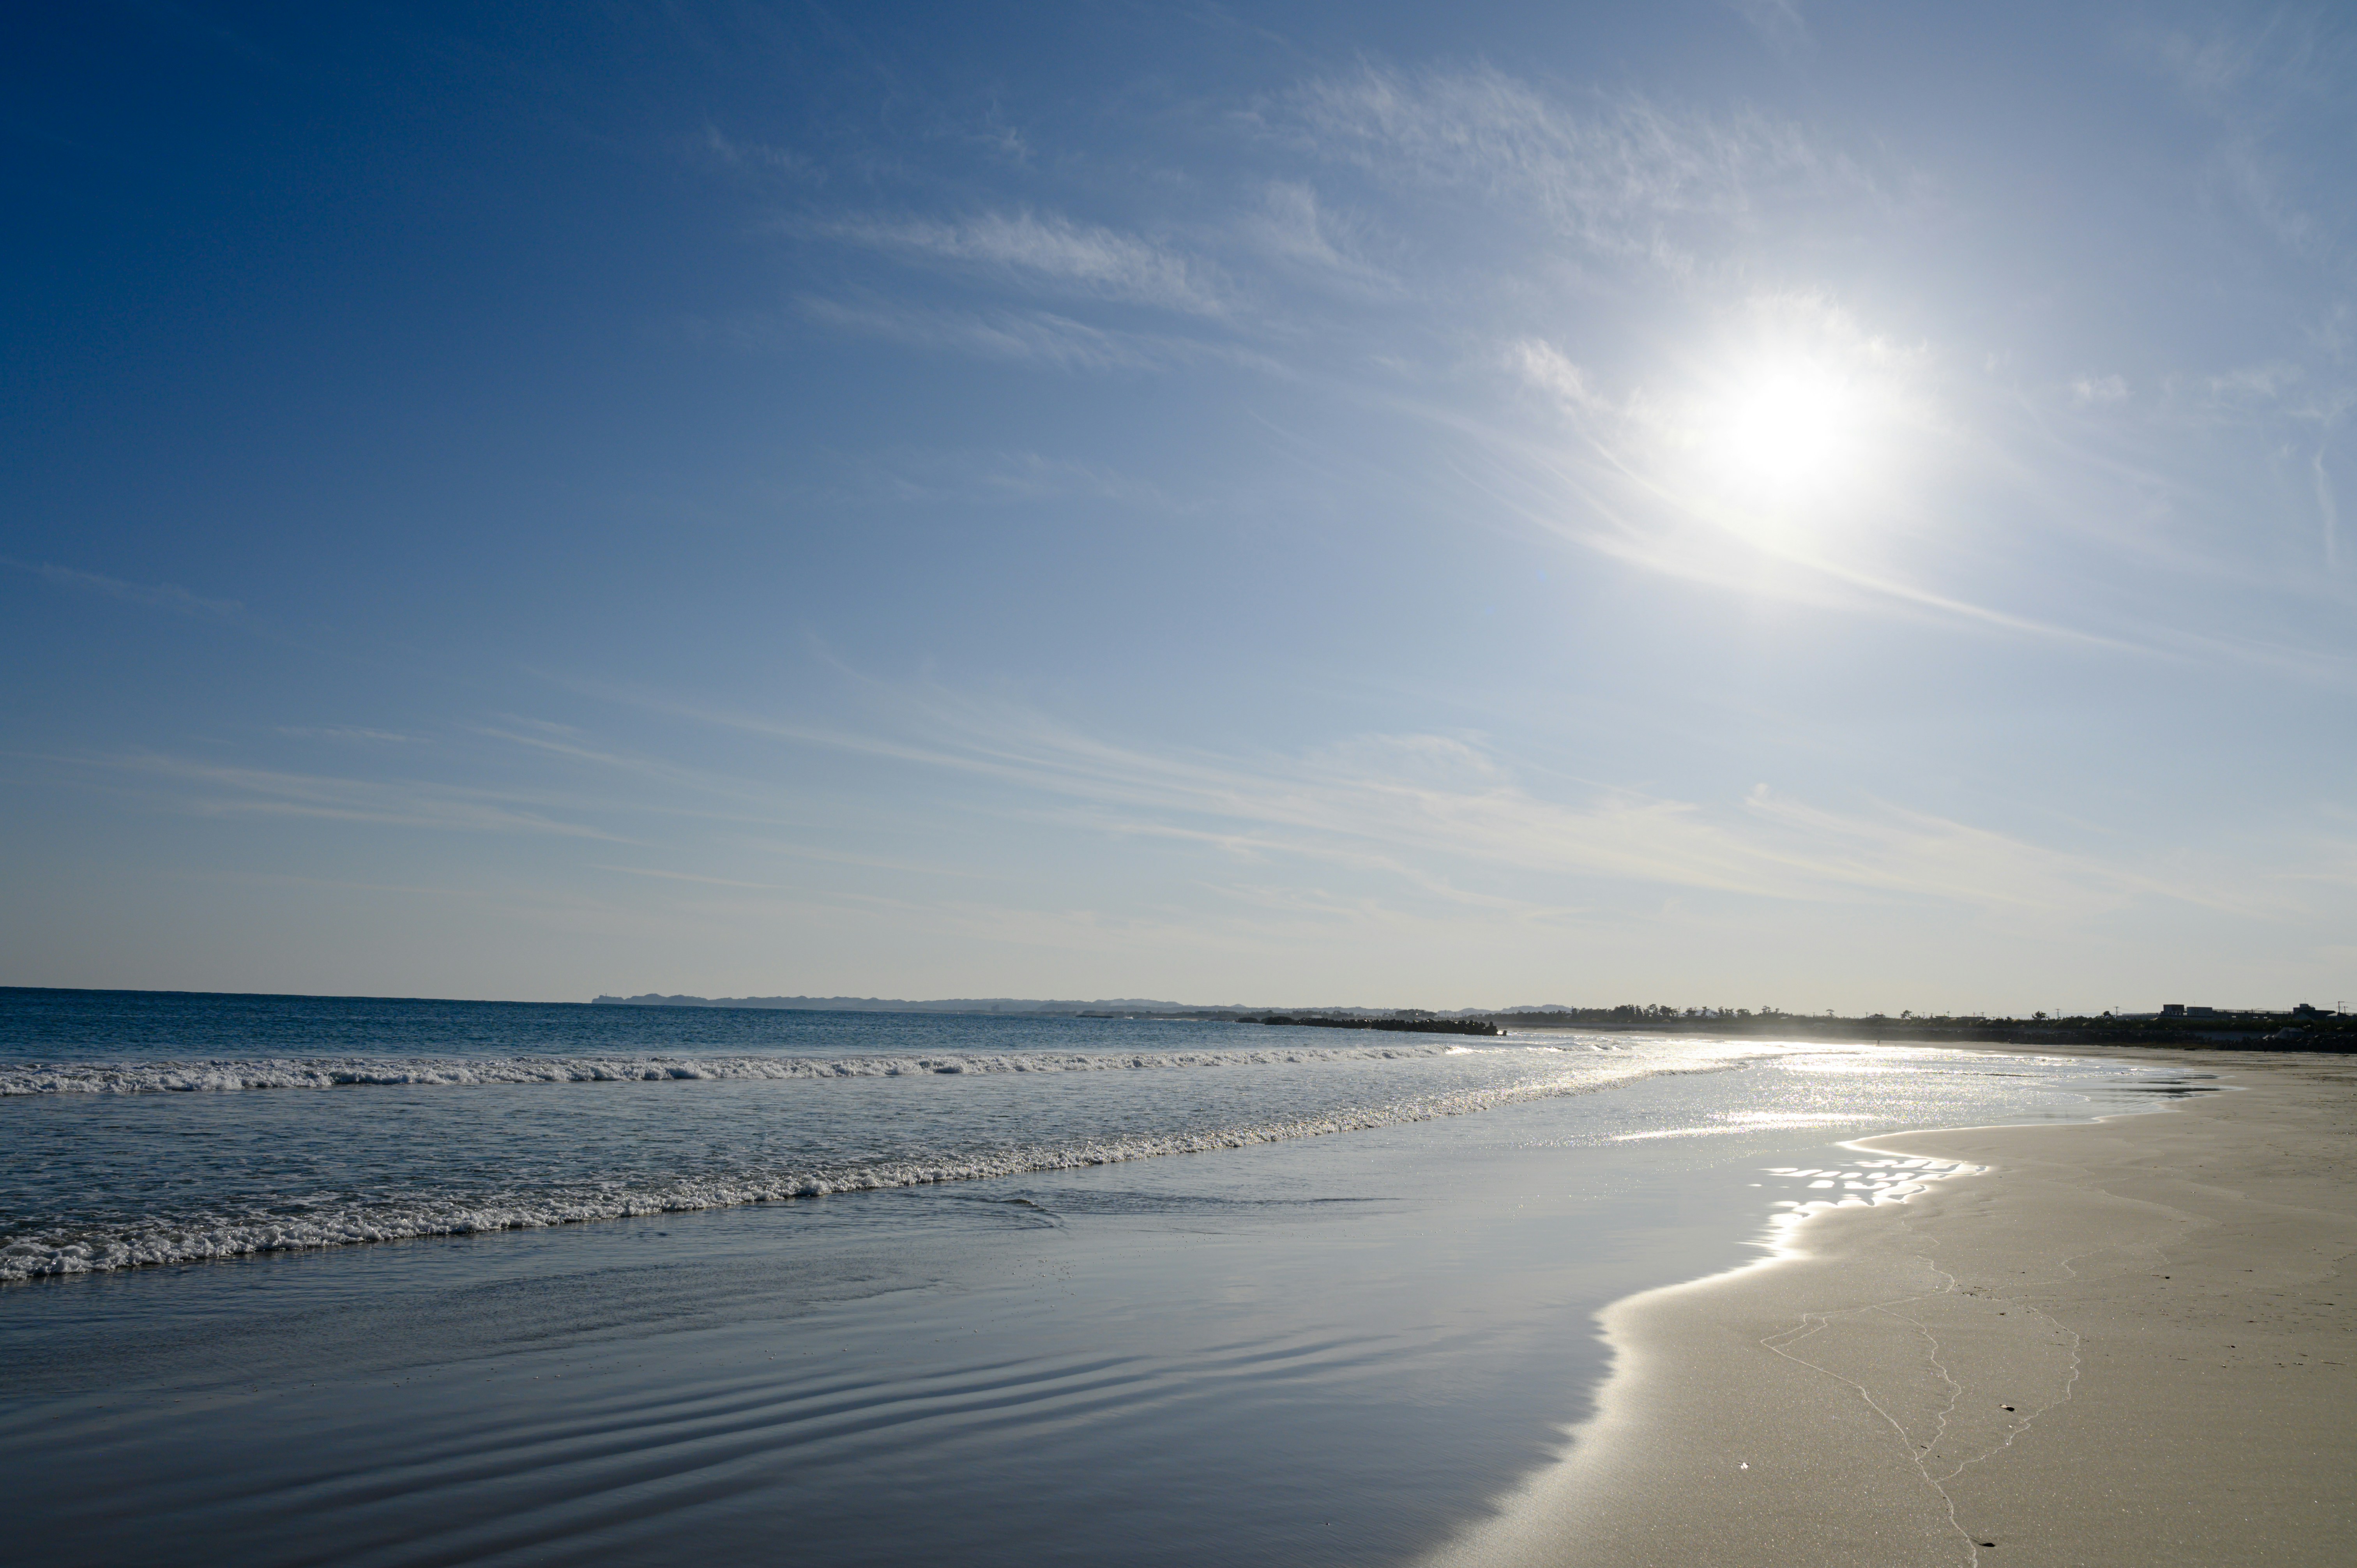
306	1280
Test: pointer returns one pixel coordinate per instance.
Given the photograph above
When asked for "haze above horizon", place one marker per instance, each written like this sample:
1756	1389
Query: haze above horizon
1771	500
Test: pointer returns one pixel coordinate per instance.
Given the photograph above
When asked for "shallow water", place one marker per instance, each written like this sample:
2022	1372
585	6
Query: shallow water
1305	1349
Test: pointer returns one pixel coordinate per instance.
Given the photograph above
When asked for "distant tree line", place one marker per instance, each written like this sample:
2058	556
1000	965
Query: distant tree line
2304	1028
1406	1024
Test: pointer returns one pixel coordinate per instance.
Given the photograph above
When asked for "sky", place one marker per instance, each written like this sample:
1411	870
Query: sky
1771	503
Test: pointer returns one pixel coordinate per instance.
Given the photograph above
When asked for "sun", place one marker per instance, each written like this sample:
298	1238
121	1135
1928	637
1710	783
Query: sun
1785	434
1782	433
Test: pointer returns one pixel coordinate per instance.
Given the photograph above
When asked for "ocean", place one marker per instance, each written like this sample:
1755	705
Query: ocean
292	1280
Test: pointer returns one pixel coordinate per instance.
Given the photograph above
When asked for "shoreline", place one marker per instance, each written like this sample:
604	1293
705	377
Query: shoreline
2121	1341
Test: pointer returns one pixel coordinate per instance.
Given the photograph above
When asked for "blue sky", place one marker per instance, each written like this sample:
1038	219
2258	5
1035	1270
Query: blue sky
1745	504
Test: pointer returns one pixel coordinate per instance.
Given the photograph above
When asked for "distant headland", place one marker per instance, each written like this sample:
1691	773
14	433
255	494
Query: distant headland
1123	1005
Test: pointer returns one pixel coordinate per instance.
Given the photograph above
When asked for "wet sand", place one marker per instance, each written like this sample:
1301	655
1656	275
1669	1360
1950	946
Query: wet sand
2132	1342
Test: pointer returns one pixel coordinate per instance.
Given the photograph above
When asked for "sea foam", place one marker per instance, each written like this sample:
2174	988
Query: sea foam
193	1238
222	1074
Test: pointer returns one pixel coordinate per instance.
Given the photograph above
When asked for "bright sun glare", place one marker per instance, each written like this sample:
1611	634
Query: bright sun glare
1794	434
1786	429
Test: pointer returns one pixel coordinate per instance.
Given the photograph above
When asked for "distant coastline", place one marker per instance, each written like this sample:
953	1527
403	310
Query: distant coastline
2297	1028
1115	1005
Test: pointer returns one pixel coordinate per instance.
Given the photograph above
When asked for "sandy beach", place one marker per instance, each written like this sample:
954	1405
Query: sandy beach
2128	1342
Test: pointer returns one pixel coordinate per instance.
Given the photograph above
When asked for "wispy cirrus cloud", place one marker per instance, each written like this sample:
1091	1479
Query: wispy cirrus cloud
1627	177
2270	87
1030	337
1447	814
206	789
155	596
359	733
1780	22
1049	251
2086	391
994	479
762	155
1652	468
694	879
1036	336
1952	484
1293	226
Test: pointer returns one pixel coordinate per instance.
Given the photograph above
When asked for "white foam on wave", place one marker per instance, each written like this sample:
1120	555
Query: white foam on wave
140	1243
342	1072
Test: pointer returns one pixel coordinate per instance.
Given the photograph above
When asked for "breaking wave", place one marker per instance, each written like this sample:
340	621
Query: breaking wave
198	1238
341	1073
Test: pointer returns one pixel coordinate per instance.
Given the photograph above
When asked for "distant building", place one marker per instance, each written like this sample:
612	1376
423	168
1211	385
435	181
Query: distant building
2172	1009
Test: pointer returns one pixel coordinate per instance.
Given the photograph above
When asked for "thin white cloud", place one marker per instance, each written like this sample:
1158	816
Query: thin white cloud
1780	22
690	877
2274	90
1101	933
2062	458
1910	851
1409	803
155	596
1000	479
2216	481
723	799
2328	507
2253	385
1003	141
760	156
872	862
205	789
1644	472
1029	337
1291	225
1032	336
346	732
1628	179
1051	251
